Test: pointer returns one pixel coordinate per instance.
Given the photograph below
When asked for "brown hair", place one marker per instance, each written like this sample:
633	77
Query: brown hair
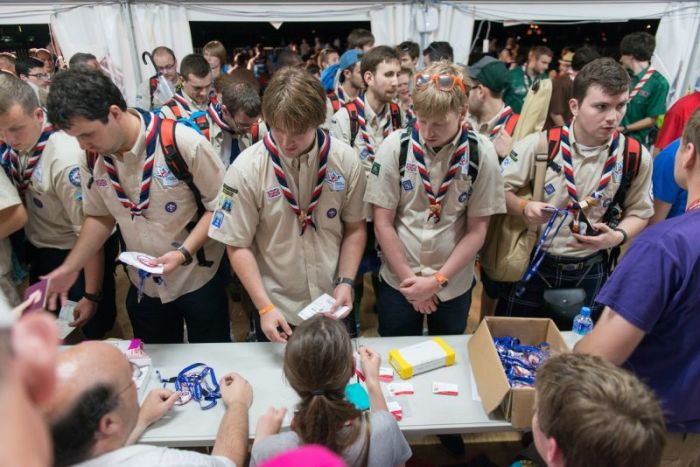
691	132
604	72
380	54
431	101
323	55
216	49
598	413
359	38
409	47
237	96
540	50
318	364
294	101
194	64
15	91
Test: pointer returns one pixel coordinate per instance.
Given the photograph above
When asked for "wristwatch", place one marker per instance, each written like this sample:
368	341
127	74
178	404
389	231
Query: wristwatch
441	279
181	248
344	280
93	297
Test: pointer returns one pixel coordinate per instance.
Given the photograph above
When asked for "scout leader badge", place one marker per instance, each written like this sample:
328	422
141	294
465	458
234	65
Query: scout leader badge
304	216
580	223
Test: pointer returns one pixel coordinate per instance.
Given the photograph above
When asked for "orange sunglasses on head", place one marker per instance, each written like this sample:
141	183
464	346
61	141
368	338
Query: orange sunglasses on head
444	81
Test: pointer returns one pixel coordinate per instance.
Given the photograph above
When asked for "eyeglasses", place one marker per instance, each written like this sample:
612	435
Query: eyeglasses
166	67
41	75
444	82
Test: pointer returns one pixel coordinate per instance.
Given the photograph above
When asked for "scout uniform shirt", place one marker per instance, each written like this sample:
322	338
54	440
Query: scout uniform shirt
216	136
8	198
253	213
378	127
519	83
519	169
172	206
428	244
486	127
650	101
233	144
54	196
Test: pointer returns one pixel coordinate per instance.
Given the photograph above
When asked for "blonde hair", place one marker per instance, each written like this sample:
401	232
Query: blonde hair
216	49
430	101
294	101
598	413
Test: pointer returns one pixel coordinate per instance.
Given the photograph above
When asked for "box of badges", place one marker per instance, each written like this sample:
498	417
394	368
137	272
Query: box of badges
504	354
419	358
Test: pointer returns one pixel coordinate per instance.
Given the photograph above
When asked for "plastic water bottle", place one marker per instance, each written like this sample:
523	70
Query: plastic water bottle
583	323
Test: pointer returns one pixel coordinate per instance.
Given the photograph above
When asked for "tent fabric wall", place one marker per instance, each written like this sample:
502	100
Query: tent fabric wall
677	54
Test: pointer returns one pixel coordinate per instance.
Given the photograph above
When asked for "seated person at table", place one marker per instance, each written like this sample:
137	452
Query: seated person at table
318	363
590	412
95	417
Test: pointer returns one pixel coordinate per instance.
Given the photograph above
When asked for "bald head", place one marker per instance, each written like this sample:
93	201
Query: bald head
95	406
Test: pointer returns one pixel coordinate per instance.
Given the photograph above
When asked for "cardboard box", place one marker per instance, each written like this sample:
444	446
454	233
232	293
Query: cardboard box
517	404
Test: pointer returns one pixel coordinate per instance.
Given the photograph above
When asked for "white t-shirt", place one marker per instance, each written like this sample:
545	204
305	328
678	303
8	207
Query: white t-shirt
144	455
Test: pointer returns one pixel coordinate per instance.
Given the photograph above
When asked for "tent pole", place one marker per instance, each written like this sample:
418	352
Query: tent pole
135	52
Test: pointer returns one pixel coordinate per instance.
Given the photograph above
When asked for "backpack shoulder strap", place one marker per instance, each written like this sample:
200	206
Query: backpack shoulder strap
395	115
511	123
174	108
335	101
354	121
403	152
91	162
255	132
553	142
473	156
178	166
544	154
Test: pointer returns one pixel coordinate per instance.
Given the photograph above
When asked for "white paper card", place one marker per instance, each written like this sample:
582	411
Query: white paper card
400	389
445	389
141	261
322	304
65	316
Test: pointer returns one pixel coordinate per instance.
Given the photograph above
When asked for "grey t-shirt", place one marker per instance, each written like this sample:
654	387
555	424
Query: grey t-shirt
387	444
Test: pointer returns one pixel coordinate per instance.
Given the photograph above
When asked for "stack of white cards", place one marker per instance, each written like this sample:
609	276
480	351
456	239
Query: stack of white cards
322	304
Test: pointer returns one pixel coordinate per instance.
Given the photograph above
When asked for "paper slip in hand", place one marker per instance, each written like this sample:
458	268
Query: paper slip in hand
445	389
141	261
358	366
395	410
386	374
400	389
65	316
322	304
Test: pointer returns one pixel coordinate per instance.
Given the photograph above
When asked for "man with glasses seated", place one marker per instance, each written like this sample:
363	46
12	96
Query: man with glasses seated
432	187
166	63
95	418
32	71
239	113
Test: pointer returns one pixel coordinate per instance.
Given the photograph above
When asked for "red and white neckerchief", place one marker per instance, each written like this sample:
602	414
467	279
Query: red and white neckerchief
503	117
152	122
215	113
11	159
693	206
435	200
304	216
575	205
364	132
638	87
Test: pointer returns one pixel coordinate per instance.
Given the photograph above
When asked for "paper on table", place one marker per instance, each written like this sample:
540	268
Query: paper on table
321	305
141	261
65	316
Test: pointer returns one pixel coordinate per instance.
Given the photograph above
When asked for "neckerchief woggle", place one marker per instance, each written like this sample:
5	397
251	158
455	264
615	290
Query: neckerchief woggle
324	145
12	164
435	200
539	254
195	382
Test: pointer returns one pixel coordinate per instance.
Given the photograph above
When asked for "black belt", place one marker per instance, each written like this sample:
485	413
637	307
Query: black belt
570	264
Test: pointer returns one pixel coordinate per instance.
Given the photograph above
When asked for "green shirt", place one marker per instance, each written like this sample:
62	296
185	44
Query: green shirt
519	83
650	101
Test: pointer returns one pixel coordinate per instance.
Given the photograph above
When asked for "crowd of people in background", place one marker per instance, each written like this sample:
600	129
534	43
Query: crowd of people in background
277	175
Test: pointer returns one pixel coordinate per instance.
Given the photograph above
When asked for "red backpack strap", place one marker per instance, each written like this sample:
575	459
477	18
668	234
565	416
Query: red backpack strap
335	101
510	124
553	142
354	121
633	156
255	132
152	86
203	123
395	115
172	105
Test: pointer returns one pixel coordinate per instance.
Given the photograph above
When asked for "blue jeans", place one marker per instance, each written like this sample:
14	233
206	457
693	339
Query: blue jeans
398	318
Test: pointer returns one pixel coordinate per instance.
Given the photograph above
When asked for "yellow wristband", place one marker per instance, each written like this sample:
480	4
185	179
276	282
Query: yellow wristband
522	205
266	309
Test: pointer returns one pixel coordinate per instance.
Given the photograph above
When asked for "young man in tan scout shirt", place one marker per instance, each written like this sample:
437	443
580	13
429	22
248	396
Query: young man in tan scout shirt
583	178
42	163
13	217
159	214
290	209
197	101
166	64
432	208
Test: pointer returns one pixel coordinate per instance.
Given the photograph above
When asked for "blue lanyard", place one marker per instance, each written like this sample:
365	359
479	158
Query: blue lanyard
539	254
196	381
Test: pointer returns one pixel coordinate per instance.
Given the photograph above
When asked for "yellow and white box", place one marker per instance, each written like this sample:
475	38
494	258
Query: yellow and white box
419	358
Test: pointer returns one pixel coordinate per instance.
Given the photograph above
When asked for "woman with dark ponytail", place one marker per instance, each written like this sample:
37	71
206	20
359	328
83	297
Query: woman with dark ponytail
318	364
